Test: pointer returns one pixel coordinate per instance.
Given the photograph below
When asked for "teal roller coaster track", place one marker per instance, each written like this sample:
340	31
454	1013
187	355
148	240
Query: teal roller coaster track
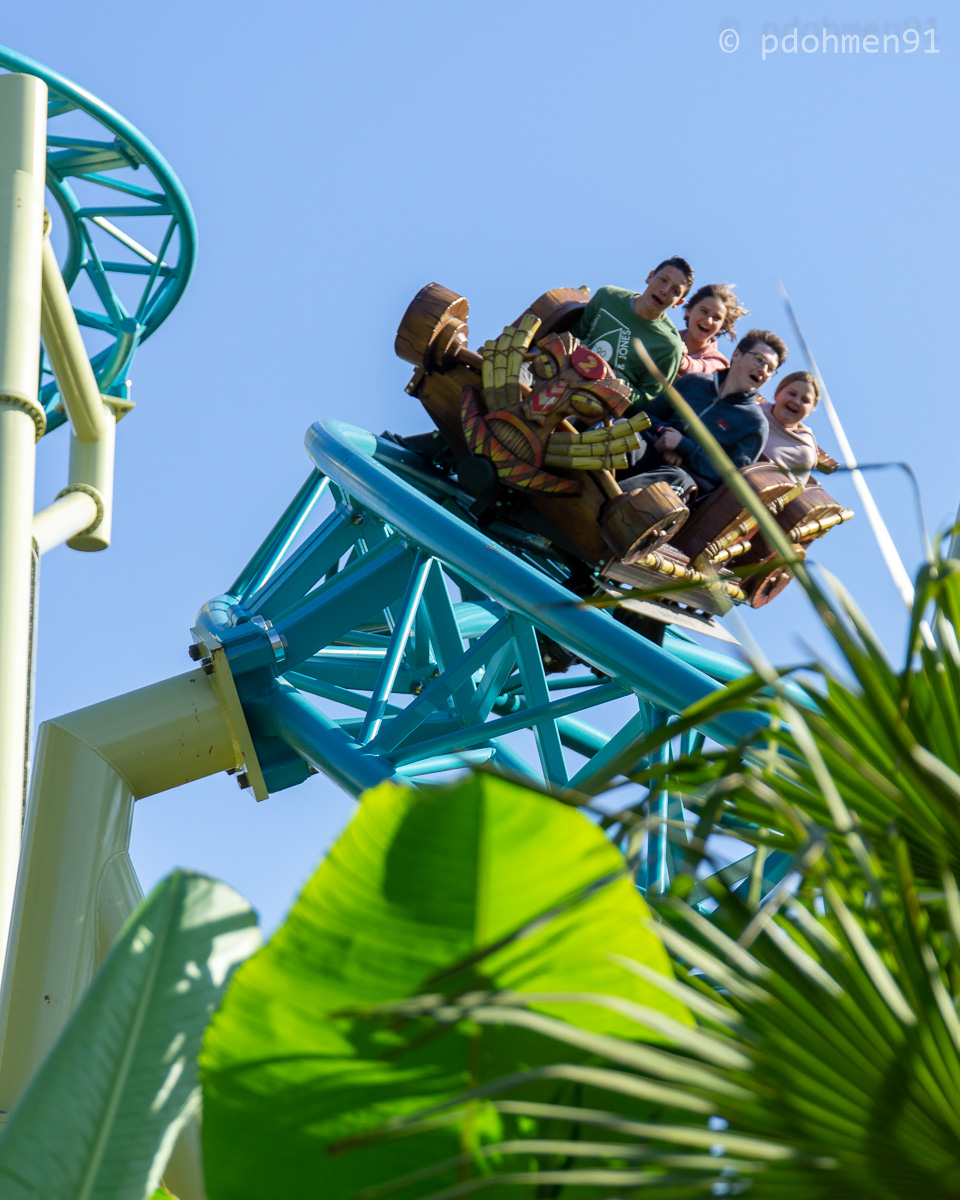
398	640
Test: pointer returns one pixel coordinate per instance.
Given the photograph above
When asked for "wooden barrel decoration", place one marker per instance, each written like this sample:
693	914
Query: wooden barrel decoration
637	522
433	328
557	309
813	504
761	589
721	513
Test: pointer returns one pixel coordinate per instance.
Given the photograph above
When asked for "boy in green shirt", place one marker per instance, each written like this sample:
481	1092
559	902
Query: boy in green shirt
615	319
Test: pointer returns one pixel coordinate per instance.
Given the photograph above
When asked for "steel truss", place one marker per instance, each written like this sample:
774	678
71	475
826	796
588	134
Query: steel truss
399	640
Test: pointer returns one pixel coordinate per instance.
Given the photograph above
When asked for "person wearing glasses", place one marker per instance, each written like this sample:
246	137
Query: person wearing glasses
726	402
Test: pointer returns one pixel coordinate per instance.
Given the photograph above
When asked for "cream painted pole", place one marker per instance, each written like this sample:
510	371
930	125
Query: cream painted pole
79	818
67	352
77	884
90	767
65	518
92	420
23	131
91	473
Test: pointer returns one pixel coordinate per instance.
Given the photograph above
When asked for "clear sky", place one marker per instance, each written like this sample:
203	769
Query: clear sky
339	157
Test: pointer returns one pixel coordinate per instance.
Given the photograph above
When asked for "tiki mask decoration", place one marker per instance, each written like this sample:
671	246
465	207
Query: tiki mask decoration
515	425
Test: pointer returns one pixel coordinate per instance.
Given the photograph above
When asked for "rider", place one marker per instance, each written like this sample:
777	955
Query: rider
790	443
616	318
711	310
726	403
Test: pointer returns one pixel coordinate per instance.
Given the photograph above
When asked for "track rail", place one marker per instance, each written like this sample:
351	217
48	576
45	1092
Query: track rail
131	237
399	640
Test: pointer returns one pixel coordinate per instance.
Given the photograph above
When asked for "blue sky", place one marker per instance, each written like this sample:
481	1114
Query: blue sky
339	157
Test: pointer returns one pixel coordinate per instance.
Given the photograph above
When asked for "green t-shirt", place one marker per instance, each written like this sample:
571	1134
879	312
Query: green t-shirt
609	324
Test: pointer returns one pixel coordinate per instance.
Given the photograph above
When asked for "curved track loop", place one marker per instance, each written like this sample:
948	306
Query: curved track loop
131	238
399	641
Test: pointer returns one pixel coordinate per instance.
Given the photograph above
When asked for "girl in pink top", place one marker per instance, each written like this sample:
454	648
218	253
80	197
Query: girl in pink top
711	310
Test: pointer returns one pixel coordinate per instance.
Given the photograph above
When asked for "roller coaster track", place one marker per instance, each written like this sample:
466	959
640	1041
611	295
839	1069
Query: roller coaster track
400	640
396	640
126	237
124	244
128	231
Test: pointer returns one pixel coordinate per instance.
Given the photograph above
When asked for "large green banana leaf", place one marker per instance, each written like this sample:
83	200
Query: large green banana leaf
829	1036
424	893
100	1117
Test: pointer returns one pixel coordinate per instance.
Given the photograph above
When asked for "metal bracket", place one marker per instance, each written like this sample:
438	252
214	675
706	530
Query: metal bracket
226	692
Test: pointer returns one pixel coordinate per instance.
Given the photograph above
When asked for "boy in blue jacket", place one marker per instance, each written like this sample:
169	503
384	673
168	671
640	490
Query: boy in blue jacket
726	403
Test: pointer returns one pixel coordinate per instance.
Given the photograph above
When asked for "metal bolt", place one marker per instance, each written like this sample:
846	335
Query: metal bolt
356	519
243	780
416	687
207	665
195	652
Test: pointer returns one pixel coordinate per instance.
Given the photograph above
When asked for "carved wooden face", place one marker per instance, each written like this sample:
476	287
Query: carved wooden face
571	381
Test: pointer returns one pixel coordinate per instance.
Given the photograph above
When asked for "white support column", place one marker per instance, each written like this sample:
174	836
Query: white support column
65	518
23	126
93	421
77	885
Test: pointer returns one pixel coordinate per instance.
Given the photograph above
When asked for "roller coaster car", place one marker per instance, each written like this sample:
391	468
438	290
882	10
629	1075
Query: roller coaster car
512	423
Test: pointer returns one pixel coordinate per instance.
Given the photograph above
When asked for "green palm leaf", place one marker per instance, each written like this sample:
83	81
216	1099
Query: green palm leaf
835	1062
881	744
857	1068
484	888
100	1117
840	999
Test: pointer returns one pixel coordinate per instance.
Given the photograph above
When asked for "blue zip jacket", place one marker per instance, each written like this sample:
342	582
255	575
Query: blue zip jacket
736	420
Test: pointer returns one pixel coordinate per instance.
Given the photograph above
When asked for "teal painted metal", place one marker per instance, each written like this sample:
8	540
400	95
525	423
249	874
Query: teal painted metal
399	641
259	569
393	655
350	457
323	743
122	286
